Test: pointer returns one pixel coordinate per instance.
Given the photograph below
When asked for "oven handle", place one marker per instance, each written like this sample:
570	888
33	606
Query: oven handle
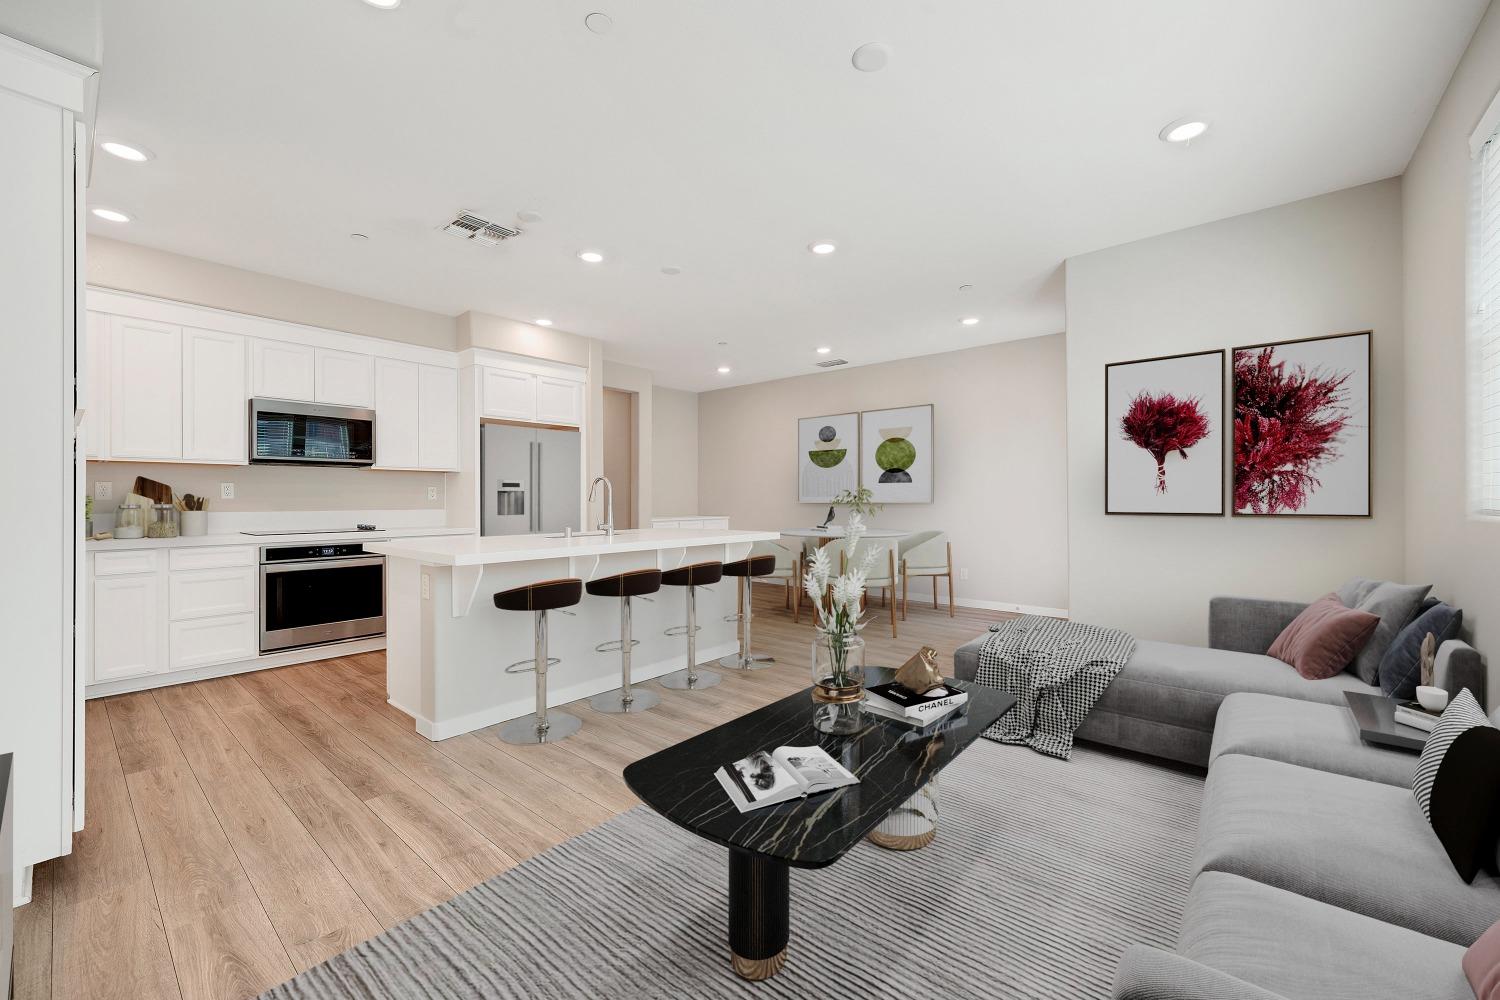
297	565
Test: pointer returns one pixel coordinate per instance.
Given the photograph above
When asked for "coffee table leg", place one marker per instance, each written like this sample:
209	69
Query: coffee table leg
913	824
759	913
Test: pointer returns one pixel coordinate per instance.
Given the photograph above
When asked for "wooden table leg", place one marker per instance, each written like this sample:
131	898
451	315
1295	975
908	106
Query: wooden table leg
759	913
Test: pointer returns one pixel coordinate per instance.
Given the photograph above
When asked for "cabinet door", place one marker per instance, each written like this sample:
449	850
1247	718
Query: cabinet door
202	641
282	371
127	613
345	378
559	401
145	389
396	414
213	396
209	593
96	387
509	395
439	418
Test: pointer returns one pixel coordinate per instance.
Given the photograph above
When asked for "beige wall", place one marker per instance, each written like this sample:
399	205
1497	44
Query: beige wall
1443	544
1001	486
131	268
276	487
620	453
1330	264
674	449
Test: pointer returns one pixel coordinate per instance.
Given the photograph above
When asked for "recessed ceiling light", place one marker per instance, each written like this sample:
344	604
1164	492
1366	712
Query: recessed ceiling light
599	22
542	322
823	247
723	369
110	214
1182	130
969	320
671	270
590	256
125	151
825	350
871	57
384	4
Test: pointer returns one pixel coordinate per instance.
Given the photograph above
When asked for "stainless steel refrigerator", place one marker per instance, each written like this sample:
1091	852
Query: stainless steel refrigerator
530	480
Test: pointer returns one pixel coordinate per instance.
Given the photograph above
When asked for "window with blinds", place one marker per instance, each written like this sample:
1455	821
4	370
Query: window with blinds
1484	331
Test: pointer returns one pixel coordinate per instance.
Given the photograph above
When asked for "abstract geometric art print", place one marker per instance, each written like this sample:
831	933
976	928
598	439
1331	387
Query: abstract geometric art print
1302	439
1163	435
896	454
826	462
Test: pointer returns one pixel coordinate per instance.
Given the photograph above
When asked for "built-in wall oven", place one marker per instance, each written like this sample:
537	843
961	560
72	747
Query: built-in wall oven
312	594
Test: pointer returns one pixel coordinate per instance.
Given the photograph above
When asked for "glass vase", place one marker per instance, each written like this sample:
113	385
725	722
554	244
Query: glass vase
838	672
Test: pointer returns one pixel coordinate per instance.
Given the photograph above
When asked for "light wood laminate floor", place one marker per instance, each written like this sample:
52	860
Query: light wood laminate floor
242	829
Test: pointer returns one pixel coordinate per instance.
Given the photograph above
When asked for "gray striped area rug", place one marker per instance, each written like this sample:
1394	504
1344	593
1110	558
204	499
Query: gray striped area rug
1042	872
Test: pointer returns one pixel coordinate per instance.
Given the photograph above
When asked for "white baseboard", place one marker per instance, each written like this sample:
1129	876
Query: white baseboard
970	602
286	658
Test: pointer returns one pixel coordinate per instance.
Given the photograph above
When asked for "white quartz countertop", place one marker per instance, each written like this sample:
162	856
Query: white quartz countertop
475	550
235	538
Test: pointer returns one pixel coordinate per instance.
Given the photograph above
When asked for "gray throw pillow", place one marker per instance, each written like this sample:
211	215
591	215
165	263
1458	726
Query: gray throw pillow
1395	604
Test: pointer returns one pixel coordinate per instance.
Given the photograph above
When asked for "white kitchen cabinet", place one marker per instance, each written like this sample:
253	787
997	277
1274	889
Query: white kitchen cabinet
213	396
145	389
127	611
398	388
204	641
437	421
210	593
95	388
559	401
280	370
508	395
344	378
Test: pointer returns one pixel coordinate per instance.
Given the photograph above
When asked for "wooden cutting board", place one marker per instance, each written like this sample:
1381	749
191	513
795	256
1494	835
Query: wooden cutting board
152	490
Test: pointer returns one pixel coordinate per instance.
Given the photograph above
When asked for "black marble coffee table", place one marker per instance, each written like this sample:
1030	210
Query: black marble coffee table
893	764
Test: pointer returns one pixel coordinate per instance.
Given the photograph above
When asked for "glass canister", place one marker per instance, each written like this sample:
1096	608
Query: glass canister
838	671
163	522
130	521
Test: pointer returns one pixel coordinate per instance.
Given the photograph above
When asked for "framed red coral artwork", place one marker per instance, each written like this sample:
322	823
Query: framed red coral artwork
1302	427
1164	435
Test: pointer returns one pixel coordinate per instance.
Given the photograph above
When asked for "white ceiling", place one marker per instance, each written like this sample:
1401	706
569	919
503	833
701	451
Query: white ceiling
1004	137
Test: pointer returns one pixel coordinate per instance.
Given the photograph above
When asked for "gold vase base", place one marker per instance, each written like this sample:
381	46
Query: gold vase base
756	969
899	842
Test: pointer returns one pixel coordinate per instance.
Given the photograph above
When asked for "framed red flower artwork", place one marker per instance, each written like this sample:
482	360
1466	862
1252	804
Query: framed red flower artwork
1164	437
1302	441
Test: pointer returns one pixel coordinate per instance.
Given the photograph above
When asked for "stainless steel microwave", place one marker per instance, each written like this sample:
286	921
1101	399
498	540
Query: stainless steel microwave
287	432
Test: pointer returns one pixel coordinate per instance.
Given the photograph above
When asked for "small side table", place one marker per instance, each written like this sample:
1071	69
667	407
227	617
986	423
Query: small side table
1374	714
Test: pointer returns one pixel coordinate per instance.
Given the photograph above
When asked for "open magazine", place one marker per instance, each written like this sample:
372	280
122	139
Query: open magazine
786	773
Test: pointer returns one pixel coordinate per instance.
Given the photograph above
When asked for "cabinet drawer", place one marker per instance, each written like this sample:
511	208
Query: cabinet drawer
123	563
658	523
203	641
211	558
209	593
716	523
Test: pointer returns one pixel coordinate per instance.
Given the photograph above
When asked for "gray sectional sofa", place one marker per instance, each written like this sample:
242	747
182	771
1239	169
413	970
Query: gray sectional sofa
1316	877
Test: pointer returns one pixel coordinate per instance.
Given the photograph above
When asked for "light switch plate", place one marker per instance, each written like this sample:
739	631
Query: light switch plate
963	574
226	491
103	490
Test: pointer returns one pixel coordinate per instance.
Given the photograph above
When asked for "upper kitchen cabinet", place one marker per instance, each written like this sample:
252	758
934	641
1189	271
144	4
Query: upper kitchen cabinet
213	397
345	378
145	389
397	412
559	401
508	395
438	421
281	370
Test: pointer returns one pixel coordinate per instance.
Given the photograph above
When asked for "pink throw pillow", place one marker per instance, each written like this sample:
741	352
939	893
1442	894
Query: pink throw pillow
1482	965
1325	638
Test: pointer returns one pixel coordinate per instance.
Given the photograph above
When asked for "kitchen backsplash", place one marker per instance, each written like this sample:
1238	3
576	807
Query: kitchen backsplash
276	488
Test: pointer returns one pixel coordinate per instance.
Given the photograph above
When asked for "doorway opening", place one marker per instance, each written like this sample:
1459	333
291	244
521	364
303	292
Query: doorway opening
621	452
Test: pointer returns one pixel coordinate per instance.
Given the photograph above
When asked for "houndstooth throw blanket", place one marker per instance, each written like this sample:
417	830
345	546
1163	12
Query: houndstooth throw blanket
1056	669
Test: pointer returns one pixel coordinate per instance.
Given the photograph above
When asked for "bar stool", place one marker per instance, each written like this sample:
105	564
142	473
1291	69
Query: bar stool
745	569
691	577
548	595
636	583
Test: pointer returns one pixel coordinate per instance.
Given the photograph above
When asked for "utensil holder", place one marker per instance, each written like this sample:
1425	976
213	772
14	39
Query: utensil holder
194	523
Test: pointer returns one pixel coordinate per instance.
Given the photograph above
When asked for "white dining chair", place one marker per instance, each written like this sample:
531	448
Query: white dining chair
927	553
788	571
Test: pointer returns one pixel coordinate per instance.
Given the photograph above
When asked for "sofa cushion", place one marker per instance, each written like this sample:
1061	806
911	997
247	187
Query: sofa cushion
1457	785
1358	845
1482	965
1395	603
1401	667
1308	734
1324	638
1304	949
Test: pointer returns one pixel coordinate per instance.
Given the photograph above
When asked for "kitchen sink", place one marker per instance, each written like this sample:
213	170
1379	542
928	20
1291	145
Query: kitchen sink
595	534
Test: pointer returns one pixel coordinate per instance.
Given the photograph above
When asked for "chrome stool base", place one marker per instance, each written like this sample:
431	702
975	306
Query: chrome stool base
524	731
682	680
614	702
736	662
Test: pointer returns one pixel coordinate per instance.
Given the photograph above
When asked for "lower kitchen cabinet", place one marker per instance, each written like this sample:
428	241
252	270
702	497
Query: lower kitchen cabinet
128	618
199	642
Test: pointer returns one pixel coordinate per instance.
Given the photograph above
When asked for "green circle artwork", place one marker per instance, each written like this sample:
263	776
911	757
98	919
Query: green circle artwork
827	454
895	454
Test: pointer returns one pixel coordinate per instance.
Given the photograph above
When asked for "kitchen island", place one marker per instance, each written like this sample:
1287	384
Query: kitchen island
447	645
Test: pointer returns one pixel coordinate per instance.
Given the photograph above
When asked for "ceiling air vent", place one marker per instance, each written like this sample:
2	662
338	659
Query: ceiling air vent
831	363
469	226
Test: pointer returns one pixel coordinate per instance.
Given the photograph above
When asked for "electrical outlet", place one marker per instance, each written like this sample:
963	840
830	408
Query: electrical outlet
963	574
432	492
103	490
426	587
226	491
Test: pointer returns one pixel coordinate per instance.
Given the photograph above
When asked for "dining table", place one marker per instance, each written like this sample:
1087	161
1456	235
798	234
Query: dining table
836	531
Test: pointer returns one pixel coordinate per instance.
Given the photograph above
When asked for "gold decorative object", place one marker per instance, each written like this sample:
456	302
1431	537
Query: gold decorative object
756	969
920	673
1429	659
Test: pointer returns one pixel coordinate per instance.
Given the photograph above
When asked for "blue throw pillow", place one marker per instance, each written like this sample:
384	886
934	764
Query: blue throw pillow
1401	668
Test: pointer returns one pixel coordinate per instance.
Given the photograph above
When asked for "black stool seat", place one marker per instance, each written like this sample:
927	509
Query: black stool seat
753	566
696	575
633	584
544	595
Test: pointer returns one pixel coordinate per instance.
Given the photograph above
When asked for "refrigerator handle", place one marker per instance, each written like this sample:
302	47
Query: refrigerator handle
531	486
537	486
